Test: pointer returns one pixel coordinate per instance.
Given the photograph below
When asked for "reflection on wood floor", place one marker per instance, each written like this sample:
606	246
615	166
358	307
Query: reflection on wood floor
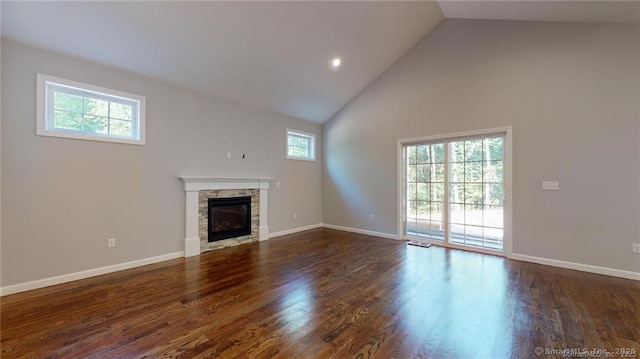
323	294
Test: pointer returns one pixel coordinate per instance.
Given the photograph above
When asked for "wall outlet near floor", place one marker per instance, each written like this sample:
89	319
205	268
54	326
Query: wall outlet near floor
372	218
636	248
111	242
295	215
550	186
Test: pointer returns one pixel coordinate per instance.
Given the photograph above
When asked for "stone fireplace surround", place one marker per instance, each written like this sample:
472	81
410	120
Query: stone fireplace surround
195	185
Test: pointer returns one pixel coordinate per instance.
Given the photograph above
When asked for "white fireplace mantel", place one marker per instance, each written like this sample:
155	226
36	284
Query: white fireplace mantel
193	184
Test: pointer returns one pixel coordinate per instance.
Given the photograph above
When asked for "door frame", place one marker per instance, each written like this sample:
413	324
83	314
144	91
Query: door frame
508	192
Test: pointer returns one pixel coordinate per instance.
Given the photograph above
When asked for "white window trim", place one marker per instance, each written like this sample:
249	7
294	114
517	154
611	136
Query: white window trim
312	149
42	124
508	206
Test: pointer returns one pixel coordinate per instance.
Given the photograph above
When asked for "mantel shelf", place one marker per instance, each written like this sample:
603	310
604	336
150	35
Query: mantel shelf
199	183
200	179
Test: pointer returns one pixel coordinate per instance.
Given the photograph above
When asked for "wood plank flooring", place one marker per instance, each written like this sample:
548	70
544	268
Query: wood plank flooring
326	294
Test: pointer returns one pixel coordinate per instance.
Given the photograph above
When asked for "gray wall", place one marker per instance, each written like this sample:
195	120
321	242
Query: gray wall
63	198
571	94
0	145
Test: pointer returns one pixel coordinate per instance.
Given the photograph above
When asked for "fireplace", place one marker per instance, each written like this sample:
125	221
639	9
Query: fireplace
229	217
199	189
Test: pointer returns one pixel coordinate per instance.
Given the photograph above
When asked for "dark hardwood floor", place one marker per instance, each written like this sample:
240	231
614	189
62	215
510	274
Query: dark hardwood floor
327	294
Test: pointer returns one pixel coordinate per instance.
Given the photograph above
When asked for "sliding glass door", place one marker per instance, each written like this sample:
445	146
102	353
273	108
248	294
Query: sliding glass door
454	191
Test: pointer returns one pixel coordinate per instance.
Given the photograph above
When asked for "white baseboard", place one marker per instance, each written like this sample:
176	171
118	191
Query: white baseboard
361	231
295	230
41	283
577	266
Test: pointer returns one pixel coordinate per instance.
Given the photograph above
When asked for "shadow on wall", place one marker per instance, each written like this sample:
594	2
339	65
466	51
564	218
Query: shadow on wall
350	192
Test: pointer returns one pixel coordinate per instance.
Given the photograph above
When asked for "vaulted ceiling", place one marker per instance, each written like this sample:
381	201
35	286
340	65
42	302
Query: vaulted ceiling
269	55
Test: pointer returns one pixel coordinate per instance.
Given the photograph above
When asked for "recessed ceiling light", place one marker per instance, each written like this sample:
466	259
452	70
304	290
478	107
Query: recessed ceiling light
335	63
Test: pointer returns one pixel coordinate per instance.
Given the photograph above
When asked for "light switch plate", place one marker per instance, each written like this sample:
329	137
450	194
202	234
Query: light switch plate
550	186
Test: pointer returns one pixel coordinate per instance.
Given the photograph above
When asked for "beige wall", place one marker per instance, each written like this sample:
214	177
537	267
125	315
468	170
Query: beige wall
570	92
0	145
63	198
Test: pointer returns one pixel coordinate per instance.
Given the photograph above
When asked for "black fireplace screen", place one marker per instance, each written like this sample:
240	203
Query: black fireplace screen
229	217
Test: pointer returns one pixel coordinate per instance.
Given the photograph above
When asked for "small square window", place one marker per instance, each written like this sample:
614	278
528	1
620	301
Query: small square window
71	109
301	146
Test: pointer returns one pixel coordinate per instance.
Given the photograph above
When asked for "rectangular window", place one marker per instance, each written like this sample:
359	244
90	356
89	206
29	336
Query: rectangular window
301	145
71	109
454	191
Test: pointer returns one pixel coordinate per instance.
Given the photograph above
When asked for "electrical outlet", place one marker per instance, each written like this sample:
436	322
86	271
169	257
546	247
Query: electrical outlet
278	184
371	218
550	186
111	242
228	155
295	215
636	248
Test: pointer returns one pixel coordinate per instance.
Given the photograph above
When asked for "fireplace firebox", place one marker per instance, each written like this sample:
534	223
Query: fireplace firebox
229	217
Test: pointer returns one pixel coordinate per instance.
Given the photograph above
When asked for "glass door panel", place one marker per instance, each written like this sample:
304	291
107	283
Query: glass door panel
476	205
424	191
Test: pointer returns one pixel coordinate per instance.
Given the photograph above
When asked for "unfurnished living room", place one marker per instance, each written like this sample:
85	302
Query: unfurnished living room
301	179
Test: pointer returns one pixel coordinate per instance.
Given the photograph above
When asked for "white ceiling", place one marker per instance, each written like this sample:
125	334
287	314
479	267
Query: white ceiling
609	11
269	55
